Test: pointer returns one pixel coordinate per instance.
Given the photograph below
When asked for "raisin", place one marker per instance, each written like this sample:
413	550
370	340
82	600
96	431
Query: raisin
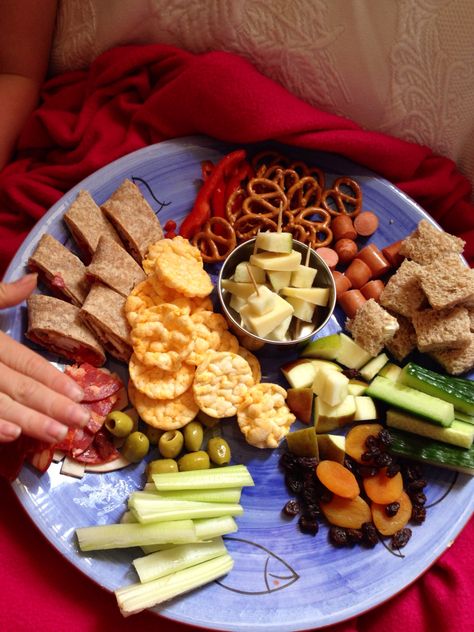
369	533
418	499
418	514
384	438
366	471
352	374
312	511
392	509
383	460
354	535
351	465
308	525
326	496
392	470
294	485
338	536
367	457
307	462
292	508
413	473
288	461
417	485
400	538
371	442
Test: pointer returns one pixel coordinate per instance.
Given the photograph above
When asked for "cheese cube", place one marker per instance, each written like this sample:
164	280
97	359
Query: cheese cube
302	277
242	275
302	309
279	279
261	302
314	295
264	324
277	261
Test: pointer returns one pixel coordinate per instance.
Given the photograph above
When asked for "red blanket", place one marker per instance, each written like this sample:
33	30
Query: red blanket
135	96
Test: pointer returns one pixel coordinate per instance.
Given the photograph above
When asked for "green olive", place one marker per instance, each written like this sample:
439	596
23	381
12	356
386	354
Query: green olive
160	466
194	461
193	435
171	443
218	450
135	447
207	420
153	434
119	424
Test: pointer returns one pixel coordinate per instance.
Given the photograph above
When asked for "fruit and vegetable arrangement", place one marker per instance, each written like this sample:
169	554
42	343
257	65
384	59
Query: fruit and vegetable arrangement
358	418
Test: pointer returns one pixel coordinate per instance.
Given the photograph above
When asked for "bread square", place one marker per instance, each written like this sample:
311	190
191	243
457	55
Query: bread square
403	293
428	243
447	282
438	330
372	327
404	340
457	361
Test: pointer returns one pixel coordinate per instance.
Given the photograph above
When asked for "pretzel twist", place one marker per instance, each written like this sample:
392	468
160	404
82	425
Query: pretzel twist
305	192
233	207
318	231
338	201
248	225
265	198
216	240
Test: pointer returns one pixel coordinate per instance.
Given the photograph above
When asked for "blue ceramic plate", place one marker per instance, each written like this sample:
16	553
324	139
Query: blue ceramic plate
282	580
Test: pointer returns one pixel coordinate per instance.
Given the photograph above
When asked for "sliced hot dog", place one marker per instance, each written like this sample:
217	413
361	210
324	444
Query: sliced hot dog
358	273
351	301
366	223
343	228
329	255
346	250
392	254
342	283
374	258
373	289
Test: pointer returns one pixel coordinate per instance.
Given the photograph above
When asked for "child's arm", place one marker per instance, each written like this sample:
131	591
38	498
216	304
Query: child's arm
26	31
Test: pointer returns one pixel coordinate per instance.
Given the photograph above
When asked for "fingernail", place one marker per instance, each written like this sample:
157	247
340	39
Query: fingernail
10	432
79	416
74	392
57	431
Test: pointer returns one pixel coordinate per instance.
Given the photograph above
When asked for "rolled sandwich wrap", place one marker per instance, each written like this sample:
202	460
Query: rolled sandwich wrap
114	267
133	219
103	312
87	224
57	326
60	269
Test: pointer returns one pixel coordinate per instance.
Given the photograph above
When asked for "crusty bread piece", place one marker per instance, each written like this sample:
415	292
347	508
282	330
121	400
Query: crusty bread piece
404	340
470	313
372	327
403	294
442	329
428	243
447	282
457	361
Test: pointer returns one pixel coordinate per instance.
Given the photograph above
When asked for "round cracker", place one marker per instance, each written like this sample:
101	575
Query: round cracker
166	414
253	362
159	384
180	246
183	274
221	383
207	335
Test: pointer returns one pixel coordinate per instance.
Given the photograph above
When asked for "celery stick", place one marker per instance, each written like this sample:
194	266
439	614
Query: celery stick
226	495
115	536
148	510
179	557
215	478
138	597
208	528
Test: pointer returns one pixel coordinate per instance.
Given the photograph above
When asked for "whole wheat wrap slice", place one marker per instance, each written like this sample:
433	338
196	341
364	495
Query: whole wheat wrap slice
87	224
133	219
114	267
103	312
57	326
60	269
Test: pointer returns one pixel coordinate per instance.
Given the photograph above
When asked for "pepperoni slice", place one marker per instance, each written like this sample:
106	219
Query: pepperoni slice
96	383
100	451
42	459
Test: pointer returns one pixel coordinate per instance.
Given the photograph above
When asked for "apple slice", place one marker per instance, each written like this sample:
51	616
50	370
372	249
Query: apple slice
328	418
277	261
391	371
326	364
302	277
313	295
330	386
326	347
302	309
303	442
299	374
241	273
357	387
300	402
265	323
350	354
372	368
278	279
274	242
365	408
332	447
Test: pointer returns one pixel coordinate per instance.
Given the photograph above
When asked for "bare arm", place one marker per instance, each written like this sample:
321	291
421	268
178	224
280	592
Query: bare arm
25	40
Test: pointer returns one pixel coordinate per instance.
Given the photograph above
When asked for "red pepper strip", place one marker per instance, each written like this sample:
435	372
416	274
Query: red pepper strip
218	200
201	210
206	169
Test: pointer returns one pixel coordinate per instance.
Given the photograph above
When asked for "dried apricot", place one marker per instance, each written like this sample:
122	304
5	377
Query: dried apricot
350	513
388	525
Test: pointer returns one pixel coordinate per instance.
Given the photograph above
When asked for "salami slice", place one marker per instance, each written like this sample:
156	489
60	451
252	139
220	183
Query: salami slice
42	459
96	384
100	451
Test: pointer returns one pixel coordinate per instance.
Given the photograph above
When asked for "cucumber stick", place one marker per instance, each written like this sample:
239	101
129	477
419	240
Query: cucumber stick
412	400
458	391
459	433
433	452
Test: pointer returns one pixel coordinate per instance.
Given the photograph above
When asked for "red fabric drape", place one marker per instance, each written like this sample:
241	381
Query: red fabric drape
129	98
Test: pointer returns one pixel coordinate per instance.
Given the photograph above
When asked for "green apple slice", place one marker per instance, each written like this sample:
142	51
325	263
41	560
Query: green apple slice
299	374
331	386
332	447
275	242
328	417
365	408
350	355
325	348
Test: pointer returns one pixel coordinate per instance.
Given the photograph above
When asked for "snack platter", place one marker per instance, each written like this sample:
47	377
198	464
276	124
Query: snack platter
282	579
